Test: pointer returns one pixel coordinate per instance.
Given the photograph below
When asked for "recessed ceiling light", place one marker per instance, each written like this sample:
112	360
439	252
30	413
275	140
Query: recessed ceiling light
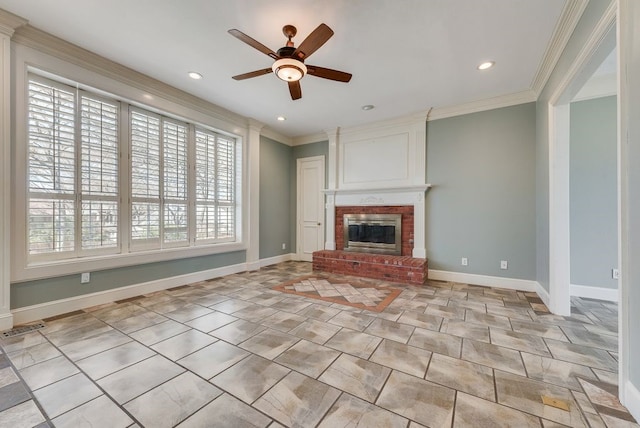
368	107
195	75
486	65
281	118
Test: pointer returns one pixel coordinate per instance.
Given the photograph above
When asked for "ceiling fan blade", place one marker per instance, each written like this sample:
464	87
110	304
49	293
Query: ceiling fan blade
317	38
253	43
327	73
295	90
252	74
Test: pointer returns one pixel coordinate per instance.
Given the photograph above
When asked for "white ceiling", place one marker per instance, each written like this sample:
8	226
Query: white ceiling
405	55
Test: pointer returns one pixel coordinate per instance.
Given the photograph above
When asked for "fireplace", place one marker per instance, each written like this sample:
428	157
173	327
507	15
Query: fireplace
373	233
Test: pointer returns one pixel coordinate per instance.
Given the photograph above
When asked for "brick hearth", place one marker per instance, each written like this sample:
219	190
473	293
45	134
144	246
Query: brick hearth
402	268
379	266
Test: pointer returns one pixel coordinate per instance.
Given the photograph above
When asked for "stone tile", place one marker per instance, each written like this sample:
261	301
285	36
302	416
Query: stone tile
255	313
183	344
436	342
511	313
297	400
173	401
25	414
12	394
475	412
417	399
283	321
404	358
461	375
557	372
581	336
213	359
95	344
66	394
308	358
352	320
48	372
601	394
226	411
114	359
350	411
23	341
250	378
539	329
519	341
606	376
466	329
237	331
7	376
211	321
443	311
80	333
159	332
354	342
269	343
493	356
488	320
356	376
230	306
138	322
390	330
315	331
139	378
582	355
319	312
525	394
292	305
416	319
99	412
613	422
31	355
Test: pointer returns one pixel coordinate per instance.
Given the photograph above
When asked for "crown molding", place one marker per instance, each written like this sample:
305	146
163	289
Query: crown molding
571	14
42	41
10	22
516	98
276	136
310	139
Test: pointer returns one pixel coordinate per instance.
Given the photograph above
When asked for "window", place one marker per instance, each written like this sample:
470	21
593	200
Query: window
75	168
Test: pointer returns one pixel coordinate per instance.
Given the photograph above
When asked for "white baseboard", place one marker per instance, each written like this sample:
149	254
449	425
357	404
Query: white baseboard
632	399
600	293
57	307
6	322
485	280
277	259
543	294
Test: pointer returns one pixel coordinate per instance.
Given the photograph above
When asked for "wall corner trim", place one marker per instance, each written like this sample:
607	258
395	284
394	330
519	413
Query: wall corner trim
543	294
632	399
600	293
485	280
6	322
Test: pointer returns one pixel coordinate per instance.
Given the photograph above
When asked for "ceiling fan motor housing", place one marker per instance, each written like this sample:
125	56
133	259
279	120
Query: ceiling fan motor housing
286	52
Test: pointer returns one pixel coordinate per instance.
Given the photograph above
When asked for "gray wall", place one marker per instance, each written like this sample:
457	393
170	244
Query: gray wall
588	21
593	190
320	148
275	198
47	290
482	204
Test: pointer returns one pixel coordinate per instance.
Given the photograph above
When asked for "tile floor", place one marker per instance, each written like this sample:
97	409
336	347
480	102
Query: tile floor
234	352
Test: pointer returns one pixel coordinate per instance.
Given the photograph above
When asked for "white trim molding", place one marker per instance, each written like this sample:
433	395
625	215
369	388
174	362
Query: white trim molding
632	399
277	259
543	294
484	280
600	293
508	100
62	306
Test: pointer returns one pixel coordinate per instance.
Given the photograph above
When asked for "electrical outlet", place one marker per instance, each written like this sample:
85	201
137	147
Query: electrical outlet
85	277
504	264
284	246
615	274
465	261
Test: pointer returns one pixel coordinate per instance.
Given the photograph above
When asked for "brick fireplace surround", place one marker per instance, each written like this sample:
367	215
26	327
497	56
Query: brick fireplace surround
403	268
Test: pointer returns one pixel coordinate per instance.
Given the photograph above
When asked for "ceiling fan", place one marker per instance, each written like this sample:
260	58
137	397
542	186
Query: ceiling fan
289	61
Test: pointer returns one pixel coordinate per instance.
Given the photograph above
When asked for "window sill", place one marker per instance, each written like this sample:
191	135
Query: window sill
49	269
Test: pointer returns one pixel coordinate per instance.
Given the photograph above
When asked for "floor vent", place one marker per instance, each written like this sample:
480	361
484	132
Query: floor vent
17	331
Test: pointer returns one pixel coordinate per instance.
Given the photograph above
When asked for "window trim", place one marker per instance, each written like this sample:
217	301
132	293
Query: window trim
25	269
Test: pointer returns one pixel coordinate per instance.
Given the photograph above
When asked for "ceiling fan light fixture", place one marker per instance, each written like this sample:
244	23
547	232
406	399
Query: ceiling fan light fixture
289	69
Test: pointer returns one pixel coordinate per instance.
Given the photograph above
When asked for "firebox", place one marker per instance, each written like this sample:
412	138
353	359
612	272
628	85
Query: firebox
373	233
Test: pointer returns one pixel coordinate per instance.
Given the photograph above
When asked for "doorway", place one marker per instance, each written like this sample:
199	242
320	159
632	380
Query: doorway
310	207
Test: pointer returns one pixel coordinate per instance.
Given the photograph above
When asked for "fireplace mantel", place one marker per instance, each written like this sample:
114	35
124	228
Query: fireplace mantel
408	195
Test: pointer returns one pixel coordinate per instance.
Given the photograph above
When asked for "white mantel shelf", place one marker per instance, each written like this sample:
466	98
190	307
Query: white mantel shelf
415	188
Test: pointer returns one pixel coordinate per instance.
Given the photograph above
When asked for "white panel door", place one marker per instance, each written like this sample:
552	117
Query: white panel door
310	213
